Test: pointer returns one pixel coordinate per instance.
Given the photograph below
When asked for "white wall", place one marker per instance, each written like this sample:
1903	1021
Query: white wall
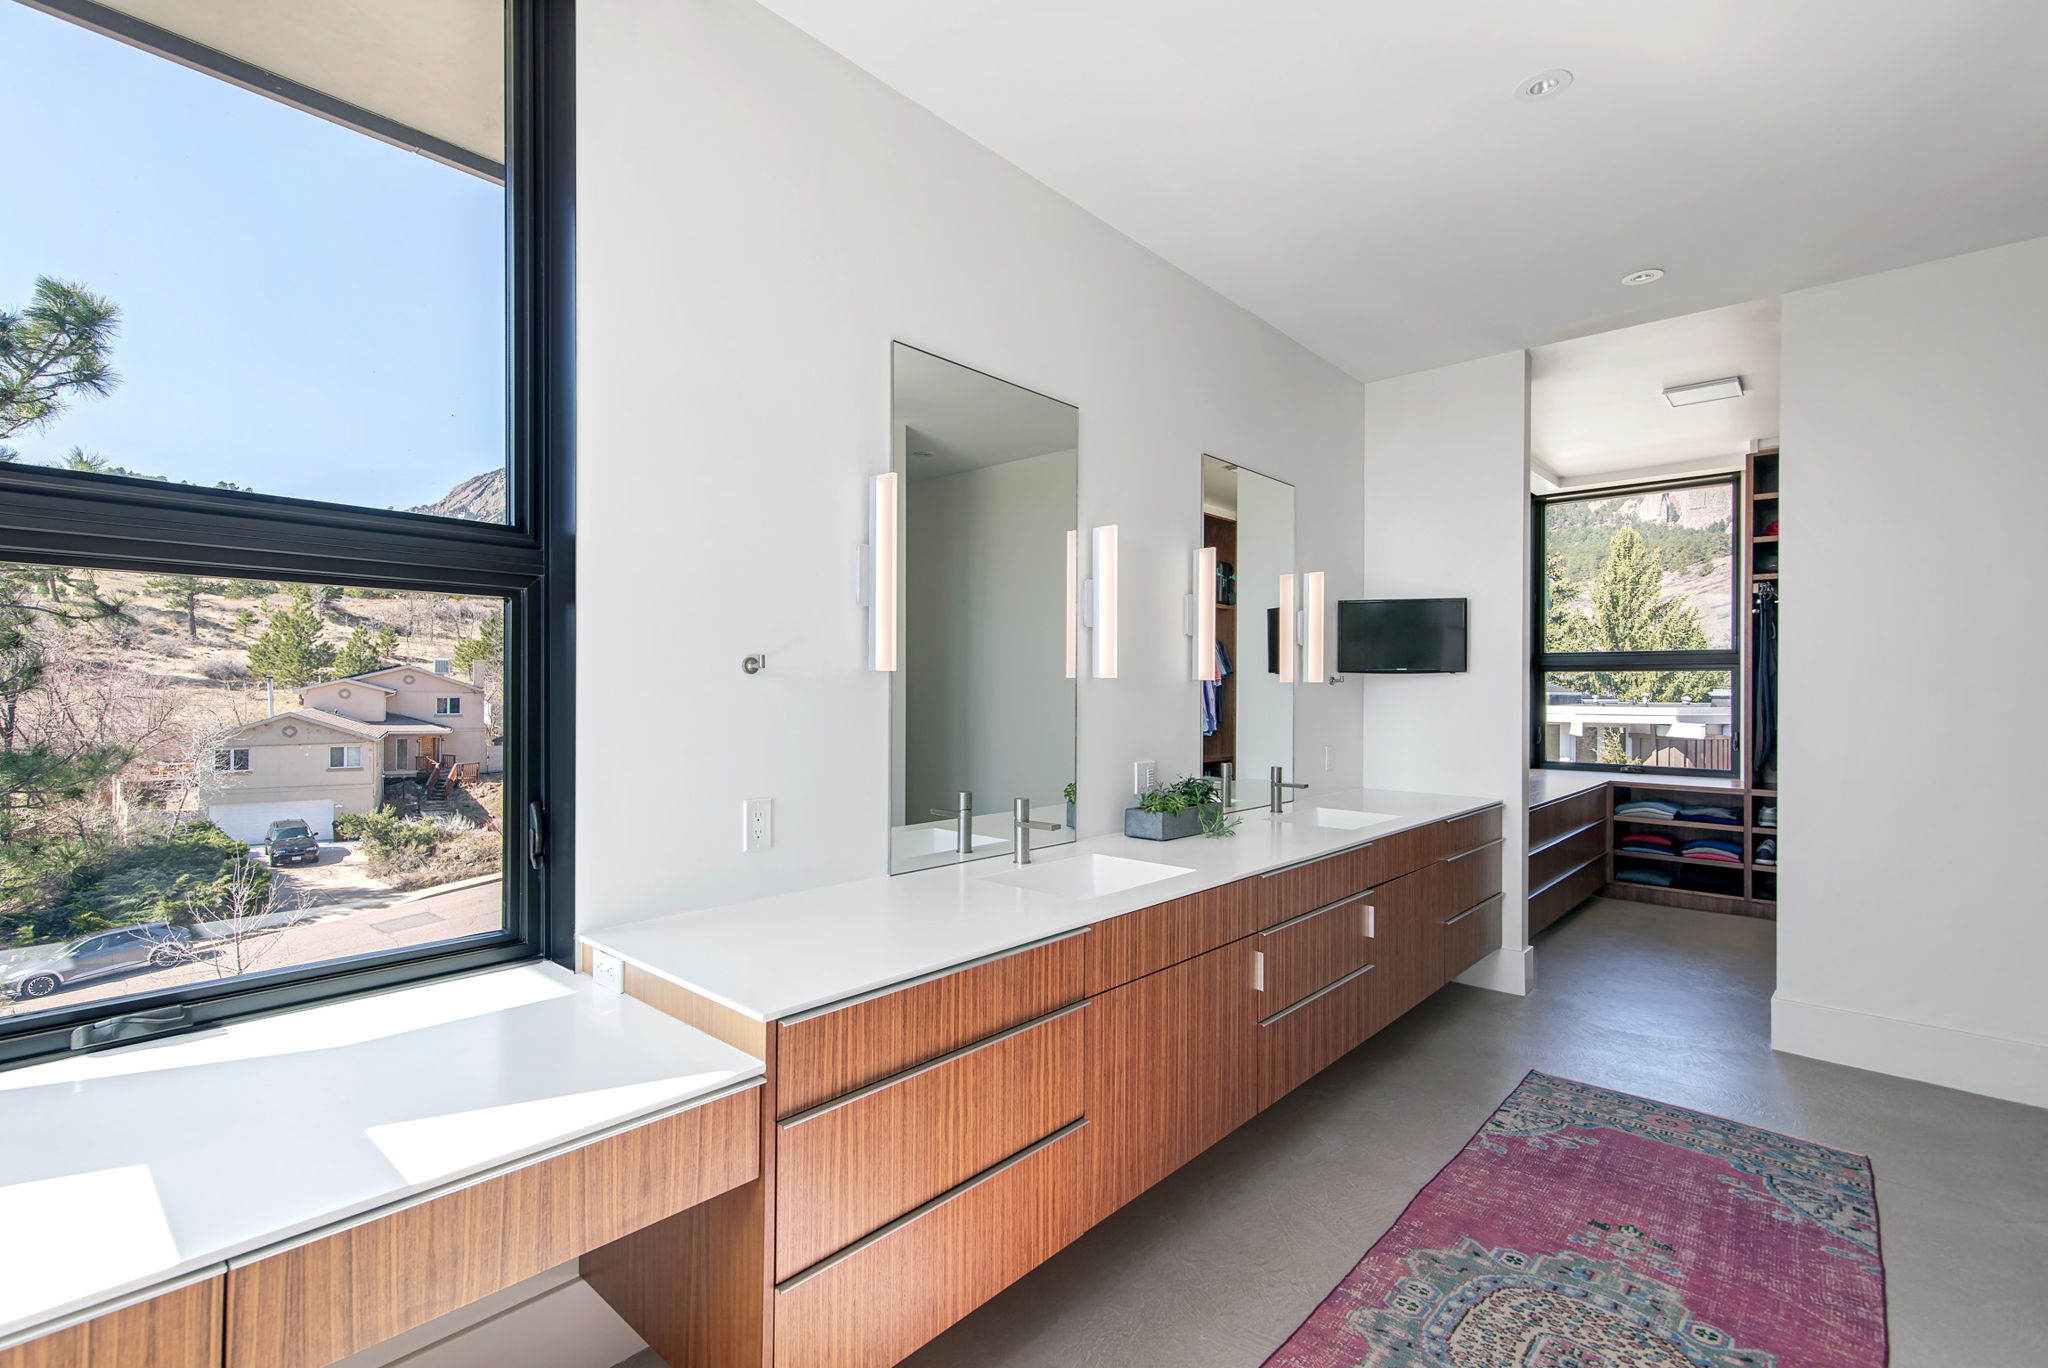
1447	516
758	220
984	640
1266	510
1913	925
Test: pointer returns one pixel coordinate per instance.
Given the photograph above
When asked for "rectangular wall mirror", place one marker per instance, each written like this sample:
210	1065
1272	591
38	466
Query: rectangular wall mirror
1247	713
983	706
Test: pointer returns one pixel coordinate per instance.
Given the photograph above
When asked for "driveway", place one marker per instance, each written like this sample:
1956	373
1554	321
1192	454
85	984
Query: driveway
340	931
341	875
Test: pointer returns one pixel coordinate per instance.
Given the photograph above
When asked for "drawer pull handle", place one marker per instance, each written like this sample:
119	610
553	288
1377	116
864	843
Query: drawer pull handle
1314	912
1453	921
1453	859
1316	859
1258	971
827	1009
1320	992
846	1099
1371	922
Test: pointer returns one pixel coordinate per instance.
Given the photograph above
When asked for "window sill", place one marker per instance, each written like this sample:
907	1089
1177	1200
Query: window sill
153	1162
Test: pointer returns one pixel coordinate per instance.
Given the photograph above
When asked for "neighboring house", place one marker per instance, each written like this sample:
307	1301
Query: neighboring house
336	751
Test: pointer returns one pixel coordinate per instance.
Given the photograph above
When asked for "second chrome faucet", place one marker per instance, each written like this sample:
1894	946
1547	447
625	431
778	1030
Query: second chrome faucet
1022	826
1280	787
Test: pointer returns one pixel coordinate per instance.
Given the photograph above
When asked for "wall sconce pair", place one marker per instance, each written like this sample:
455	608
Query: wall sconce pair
1303	623
1091	601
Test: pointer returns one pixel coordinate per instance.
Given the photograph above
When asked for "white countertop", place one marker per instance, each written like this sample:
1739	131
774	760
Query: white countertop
1548	785
773	957
134	1167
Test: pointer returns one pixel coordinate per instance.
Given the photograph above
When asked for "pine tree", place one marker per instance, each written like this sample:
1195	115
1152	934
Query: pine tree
290	650
55	348
244	622
185	589
358	655
387	643
488	645
1627	611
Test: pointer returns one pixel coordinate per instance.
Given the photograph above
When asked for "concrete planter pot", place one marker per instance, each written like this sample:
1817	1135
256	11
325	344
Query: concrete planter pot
1165	826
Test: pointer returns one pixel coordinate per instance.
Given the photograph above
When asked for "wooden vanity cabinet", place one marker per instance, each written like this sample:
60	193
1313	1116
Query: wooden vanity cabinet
177	1329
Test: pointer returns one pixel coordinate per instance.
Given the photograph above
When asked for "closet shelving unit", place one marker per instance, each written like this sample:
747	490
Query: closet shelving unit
1748	887
1220	746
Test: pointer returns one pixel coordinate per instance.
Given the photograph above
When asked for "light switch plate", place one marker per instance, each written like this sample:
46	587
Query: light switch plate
1329	757
1144	776
606	972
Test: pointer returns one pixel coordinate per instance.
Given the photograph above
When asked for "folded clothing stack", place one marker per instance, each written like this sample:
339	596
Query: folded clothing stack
1707	812
1654	809
1642	843
1767	816
1767	851
1727	852
1656	878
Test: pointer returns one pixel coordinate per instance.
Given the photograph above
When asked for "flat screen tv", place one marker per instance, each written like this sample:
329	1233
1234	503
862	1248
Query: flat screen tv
1401	636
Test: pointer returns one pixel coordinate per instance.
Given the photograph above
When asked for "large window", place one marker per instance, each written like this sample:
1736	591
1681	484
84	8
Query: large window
284	474
1636	660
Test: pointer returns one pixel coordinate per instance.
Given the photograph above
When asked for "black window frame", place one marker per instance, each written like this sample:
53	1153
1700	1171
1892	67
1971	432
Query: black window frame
92	520
1545	663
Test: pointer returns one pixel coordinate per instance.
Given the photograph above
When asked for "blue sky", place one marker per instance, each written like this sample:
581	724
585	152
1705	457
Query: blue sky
305	310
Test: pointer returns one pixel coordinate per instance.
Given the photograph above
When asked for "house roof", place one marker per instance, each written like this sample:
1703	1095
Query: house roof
418	670
346	679
347	726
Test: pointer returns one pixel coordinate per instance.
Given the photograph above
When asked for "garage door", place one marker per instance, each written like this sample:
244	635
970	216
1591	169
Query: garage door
251	821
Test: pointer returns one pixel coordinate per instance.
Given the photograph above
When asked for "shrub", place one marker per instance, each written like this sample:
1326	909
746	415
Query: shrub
385	833
152	878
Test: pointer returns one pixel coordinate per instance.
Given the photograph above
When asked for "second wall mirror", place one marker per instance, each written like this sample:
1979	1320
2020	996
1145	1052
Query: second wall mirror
983	705
1248	711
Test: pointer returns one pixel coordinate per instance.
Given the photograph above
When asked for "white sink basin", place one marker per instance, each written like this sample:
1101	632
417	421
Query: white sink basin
1340	819
930	841
1090	876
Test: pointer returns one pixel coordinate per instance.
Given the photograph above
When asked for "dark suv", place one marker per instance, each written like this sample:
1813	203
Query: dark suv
291	842
104	952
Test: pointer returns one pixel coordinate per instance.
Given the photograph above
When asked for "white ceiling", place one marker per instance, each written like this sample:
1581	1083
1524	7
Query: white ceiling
961	419
1597	407
434	65
1360	175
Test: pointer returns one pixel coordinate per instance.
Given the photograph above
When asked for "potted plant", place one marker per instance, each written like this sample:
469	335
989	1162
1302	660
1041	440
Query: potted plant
1068	792
1169	813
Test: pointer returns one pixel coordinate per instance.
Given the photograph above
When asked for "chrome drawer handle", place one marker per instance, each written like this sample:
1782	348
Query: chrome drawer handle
1453	859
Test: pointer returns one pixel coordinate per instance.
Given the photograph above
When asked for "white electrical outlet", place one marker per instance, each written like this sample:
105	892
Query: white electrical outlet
606	972
759	830
1144	776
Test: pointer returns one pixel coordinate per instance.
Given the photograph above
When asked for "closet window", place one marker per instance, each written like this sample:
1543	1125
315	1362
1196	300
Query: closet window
1636	664
284	477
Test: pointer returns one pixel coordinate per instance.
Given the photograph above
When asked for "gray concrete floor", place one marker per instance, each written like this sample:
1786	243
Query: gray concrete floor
1217	1265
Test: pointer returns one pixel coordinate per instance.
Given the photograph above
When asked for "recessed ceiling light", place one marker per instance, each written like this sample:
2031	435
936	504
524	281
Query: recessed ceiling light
1543	85
1642	277
1704	392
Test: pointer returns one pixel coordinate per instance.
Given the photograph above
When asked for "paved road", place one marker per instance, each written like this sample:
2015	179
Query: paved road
361	928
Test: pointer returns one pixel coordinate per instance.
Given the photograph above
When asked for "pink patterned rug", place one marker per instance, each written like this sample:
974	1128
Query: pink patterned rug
1583	1228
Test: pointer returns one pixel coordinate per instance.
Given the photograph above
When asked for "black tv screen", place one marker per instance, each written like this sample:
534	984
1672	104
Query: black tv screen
1400	636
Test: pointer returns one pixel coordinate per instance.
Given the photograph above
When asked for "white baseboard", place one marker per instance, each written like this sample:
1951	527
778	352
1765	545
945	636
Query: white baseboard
551	1321
1507	970
2016	1070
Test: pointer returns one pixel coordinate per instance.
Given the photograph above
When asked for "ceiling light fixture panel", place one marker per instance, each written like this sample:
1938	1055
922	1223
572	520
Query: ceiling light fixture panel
1704	391
1543	85
1643	277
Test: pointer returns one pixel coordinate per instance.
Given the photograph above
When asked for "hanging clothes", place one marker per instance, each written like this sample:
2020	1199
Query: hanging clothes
1764	609
1212	694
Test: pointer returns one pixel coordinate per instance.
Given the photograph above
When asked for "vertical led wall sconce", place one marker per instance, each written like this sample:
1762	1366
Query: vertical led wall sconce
877	587
1202	615
1289	613
1314	658
1098	602
1073	603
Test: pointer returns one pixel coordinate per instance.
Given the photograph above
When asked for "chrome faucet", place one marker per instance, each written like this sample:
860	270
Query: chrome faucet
962	814
1023	826
1280	787
1226	775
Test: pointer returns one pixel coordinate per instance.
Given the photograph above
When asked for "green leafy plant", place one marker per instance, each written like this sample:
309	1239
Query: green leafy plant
1217	822
1068	793
1178	796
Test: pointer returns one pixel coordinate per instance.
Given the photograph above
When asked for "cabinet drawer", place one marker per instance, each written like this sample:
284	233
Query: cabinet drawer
177	1329
1289	892
1469	937
1460	834
852	1166
1152	938
873	1305
330	1297
1301	1041
1404	852
822	1054
1313	951
1546	905
1566	853
1553	820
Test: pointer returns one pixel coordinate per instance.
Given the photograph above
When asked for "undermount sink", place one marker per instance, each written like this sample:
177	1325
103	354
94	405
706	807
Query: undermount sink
940	841
1340	819
1090	876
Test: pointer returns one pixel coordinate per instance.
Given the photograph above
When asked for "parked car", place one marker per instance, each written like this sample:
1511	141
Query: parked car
103	952
291	842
